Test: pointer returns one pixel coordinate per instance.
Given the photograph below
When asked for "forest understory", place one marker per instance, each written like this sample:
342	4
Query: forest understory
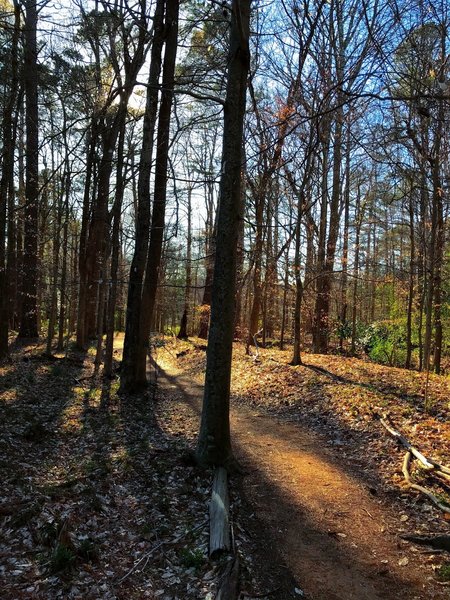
101	499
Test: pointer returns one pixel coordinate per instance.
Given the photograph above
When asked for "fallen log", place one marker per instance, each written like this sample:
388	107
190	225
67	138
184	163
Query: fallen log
219	520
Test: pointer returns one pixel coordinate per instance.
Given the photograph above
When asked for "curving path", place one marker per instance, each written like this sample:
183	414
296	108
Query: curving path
312	515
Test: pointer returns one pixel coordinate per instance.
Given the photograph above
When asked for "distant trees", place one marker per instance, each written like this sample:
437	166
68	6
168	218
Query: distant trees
110	173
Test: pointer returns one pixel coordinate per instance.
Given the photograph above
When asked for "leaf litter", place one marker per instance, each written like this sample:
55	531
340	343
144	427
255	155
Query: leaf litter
97	502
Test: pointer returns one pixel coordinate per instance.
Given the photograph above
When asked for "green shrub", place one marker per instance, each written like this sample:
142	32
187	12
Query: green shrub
385	342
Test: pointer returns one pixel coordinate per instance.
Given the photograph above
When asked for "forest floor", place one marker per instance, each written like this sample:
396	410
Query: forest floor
101	500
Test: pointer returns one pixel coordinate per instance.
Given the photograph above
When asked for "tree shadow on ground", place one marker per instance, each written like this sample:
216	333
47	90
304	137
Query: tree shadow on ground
387	389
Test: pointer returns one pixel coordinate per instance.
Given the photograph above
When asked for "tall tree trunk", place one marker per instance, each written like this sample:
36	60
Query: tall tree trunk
437	268
214	443
115	247
240	269
65	253
296	359
91	148
138	264
29	316
257	266
344	279
284	307
183	333
359	214
412	259
9	130
322	237
160	194
57	219
325	279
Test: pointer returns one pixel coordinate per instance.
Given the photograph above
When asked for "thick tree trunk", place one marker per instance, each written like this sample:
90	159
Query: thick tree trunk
160	195
214	443
9	129
81	340
325	280
138	264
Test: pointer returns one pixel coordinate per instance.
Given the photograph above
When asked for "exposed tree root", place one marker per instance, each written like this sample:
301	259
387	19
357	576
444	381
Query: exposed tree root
438	542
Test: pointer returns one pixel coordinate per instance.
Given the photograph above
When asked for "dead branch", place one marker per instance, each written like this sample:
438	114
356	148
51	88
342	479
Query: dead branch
420	488
427	463
150	552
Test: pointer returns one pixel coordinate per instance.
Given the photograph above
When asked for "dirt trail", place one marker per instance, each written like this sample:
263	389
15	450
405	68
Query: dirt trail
337	540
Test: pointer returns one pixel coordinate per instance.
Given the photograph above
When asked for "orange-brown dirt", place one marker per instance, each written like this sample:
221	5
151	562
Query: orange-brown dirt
318	518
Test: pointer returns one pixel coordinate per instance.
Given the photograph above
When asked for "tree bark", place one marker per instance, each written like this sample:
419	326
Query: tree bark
183	333
7	183
29	315
112	296
138	264
160	195
214	442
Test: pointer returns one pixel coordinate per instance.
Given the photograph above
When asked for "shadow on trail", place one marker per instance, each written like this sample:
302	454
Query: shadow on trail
273	573
335	567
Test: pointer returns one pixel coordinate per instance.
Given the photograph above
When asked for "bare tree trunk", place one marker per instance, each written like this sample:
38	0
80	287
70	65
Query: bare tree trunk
29	316
240	269
325	280
296	359
115	246
412	259
9	129
64	258
214	444
160	194
344	279
81	340
183	333
284	308
57	219
137	270
358	220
